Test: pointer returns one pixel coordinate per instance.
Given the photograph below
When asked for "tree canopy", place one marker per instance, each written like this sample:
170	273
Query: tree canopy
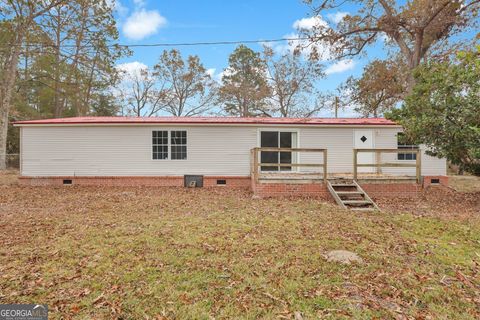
244	90
57	59
188	89
443	110
292	82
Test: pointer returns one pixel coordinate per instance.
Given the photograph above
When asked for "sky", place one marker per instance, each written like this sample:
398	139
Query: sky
170	21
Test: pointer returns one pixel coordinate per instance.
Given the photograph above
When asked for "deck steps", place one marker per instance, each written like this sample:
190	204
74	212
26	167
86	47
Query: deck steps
349	195
349	192
356	202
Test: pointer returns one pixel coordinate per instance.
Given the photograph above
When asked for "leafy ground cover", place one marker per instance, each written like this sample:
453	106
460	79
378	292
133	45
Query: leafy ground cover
465	183
174	253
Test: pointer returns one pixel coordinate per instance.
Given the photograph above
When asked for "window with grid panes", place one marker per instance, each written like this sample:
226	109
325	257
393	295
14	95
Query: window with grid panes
178	145
160	145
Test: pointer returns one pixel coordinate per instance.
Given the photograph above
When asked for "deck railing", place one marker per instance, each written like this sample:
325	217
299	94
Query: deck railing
379	164
256	164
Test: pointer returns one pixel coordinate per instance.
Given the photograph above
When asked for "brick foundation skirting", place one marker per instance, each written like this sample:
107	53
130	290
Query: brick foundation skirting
431	181
159	181
392	190
311	190
319	190
261	190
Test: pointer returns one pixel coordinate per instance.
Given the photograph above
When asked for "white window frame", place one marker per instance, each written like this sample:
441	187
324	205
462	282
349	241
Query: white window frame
295	155
169	144
407	147
152	144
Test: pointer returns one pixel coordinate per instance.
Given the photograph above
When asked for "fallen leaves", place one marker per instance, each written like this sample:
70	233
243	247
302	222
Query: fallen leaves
163	253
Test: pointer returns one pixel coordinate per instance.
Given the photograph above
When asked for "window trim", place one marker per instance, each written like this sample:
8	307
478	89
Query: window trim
295	155
406	147
178	145
169	144
153	145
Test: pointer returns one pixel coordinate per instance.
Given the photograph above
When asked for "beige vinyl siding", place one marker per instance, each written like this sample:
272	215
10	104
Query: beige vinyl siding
127	151
338	142
387	139
432	166
211	150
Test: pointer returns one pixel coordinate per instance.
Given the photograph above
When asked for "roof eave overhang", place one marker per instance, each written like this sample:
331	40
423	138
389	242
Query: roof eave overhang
211	124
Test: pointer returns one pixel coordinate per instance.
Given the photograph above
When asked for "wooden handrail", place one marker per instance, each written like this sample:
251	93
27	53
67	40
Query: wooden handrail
386	165
378	152
388	150
289	149
290	164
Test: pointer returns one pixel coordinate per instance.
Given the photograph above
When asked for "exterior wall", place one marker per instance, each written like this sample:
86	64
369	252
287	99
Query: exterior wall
112	151
127	151
432	166
387	139
337	141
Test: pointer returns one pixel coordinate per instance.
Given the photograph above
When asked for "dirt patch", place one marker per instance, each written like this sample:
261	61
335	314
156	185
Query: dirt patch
8	177
343	256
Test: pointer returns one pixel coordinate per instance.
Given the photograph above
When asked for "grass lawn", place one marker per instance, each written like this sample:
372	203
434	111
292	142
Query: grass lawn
174	253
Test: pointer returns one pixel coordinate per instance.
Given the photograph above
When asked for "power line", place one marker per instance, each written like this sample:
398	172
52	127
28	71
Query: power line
173	44
180	44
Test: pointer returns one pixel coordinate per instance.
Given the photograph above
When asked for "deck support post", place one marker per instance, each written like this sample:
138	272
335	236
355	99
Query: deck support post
378	159
418	166
255	167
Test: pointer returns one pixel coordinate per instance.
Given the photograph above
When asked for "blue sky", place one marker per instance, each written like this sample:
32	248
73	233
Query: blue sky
169	21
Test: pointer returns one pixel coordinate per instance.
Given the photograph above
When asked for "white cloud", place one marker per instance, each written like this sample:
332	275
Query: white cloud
143	23
305	47
309	23
117	7
211	72
340	66
323	49
337	16
130	72
132	68
139	3
226	72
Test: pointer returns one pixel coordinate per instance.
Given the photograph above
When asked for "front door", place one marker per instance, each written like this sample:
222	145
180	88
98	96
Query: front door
277	139
364	140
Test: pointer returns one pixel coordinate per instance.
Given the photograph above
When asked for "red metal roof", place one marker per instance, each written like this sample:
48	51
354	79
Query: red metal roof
211	120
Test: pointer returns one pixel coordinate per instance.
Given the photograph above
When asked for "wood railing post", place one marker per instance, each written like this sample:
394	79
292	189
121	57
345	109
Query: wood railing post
355	164
255	164
378	158
252	162
325	157
419	166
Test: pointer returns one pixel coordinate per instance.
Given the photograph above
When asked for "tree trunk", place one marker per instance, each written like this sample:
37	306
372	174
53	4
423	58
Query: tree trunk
57	113
3	138
6	91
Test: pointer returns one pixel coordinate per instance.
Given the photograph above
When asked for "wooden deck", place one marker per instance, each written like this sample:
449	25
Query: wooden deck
321	174
307	177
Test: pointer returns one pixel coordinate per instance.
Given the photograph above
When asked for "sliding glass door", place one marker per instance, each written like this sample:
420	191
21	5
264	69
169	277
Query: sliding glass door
277	139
